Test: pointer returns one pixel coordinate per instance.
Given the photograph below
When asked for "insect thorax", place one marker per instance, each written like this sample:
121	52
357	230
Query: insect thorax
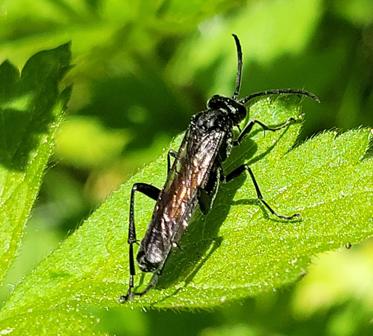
234	110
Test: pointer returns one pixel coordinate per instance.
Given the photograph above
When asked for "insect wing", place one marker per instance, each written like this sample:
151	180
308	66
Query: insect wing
196	162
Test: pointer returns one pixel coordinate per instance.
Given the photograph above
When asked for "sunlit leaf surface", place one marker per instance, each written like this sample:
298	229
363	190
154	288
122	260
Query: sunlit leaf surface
238	249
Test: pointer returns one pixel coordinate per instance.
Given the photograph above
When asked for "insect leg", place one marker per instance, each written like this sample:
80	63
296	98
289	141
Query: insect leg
171	153
154	280
207	194
265	127
153	193
238	171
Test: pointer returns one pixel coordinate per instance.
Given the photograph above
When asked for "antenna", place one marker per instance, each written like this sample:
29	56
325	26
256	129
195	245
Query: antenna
279	92
239	67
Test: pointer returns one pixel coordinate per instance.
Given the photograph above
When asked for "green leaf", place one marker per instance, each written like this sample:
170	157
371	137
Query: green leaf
30	110
77	322
237	250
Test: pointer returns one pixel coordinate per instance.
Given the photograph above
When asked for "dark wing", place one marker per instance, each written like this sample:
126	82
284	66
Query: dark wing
190	173
177	201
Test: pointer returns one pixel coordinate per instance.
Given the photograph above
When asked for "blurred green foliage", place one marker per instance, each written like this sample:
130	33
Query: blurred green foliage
141	69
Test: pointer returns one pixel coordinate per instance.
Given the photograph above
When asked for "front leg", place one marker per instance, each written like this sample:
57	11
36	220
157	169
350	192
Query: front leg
265	127
152	192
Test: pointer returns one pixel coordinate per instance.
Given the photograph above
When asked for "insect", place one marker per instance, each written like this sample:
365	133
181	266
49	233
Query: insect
193	178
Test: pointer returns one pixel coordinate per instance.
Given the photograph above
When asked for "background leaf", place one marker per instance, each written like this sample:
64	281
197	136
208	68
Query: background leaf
30	110
237	250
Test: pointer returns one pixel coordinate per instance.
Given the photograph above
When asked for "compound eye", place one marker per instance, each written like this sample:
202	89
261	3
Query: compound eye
214	102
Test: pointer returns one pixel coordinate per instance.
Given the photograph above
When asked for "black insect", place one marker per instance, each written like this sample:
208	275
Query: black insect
194	177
